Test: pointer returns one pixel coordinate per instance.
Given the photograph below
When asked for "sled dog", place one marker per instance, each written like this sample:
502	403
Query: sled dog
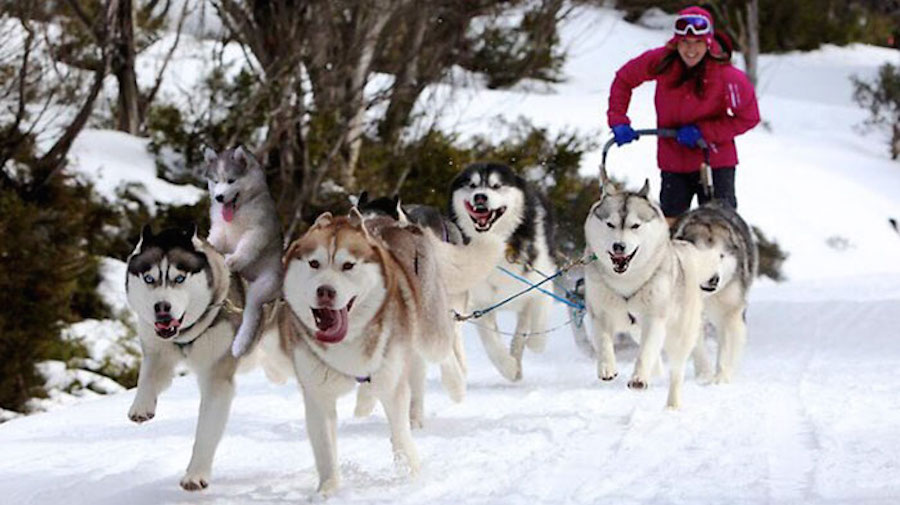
489	200
245	228
177	286
365	304
639	273
716	227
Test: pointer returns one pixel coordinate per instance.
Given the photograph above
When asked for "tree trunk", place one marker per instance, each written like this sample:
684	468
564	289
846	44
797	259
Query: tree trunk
123	62
751	51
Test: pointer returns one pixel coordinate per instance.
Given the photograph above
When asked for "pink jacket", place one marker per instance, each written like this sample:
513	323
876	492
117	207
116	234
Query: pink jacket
727	109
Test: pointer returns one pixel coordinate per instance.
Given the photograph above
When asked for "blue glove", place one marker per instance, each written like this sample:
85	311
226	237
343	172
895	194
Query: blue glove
624	134
688	136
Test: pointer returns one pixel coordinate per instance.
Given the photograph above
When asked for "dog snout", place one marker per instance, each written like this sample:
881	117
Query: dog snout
220	198
618	247
480	199
713	281
325	295
162	308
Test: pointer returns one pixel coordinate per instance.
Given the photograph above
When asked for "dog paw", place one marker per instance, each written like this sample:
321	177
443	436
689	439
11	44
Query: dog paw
194	483
416	422
536	343
328	487
722	378
241	345
142	411
511	370
234	263
606	372
638	383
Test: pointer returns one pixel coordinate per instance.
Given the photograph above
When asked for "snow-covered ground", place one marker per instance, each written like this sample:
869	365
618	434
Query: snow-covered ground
812	418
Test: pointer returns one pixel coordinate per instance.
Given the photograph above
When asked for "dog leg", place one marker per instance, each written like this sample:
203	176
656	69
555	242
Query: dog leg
396	402
677	353
417	391
522	334
156	372
732	337
321	427
247	250
496	351
538	310
702	365
365	400
603	348
453	372
653	333
263	289
216	393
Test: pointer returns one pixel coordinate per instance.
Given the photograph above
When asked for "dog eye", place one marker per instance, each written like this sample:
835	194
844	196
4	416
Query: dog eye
314	264
495	186
610	225
179	279
231	181
635	226
347	266
149	279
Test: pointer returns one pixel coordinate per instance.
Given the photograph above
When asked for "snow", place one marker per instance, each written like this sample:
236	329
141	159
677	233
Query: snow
812	417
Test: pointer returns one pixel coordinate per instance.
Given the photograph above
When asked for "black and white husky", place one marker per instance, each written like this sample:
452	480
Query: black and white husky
489	200
177	286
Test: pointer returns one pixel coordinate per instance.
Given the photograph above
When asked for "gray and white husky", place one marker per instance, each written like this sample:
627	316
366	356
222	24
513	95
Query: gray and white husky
718	228
488	201
177	286
244	227
640	274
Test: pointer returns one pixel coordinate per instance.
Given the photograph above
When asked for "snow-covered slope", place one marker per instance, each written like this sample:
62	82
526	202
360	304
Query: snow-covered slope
812	417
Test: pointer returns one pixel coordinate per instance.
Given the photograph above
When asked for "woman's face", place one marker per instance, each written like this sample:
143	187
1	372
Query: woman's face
691	50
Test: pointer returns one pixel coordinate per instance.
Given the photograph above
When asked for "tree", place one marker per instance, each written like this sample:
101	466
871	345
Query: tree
881	97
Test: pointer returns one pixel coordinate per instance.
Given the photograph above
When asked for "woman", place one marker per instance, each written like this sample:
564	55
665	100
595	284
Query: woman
699	93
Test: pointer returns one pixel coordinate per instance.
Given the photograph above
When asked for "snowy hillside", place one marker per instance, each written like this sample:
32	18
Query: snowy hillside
812	417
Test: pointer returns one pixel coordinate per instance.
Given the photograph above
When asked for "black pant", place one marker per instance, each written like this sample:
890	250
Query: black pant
678	190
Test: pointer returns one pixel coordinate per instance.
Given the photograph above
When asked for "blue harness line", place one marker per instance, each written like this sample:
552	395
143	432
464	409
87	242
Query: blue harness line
481	312
579	306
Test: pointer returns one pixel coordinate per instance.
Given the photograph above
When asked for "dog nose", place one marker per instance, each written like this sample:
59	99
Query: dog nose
618	247
479	198
326	294
220	198
162	307
714	281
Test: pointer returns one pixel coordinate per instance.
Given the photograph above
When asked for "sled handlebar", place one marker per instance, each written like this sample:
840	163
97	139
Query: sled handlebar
705	170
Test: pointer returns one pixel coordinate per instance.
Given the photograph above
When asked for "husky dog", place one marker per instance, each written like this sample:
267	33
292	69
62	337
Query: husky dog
177	285
365	303
425	216
489	200
245	228
639	273
717	227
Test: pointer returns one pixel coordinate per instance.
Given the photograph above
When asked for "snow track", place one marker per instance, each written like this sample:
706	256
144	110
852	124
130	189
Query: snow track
812	418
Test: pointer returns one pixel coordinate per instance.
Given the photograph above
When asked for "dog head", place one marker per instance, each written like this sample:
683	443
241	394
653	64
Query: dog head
334	278
624	227
233	177
487	198
714	238
169	282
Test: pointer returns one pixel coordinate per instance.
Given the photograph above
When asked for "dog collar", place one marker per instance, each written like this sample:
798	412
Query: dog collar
183	339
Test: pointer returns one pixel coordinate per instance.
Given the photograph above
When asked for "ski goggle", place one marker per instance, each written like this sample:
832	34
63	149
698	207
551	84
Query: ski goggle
694	23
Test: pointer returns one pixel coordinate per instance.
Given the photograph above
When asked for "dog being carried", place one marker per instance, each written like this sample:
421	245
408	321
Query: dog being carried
244	227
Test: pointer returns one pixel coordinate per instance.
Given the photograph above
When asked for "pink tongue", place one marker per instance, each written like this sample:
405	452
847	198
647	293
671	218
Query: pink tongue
228	212
337	331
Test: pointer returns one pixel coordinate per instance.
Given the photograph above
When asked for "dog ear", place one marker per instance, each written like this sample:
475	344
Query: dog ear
362	199
323	220
645	190
356	219
608	189
146	235
401	214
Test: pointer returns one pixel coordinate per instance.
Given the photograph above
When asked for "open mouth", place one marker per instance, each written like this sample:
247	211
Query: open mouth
229	208
332	324
621	261
483	217
166	326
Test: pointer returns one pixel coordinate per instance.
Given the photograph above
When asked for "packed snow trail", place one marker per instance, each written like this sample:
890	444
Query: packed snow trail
811	418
